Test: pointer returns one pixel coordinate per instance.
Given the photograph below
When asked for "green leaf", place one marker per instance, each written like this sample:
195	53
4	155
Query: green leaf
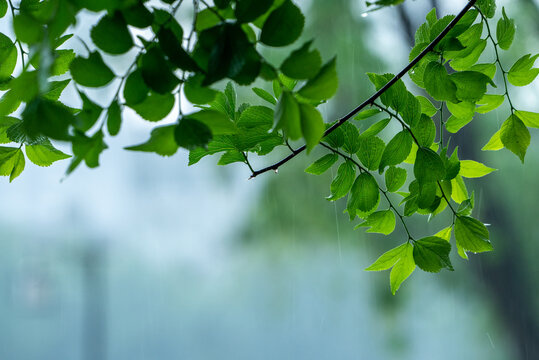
48	118
371	150
515	136
404	267
302	63
264	95
89	114
388	259
351	138
530	119
171	45
495	142
27	29
487	7
489	103
364	195
3	8
426	106
424	131
472	235
375	128
138	16
283	26
365	114
114	118
157	73
465	59
324	85
444	234
8	57
471	85
230	157
250	10
11	162
55	89
522	72
487	69
323	164
161	142
196	93
135	89
438	83
44	154
505	31
432	254
459	193
312	125
287	116
256	116
428	166
451	164
381	222
6	122
474	169
191	133
111	34
91	71
87	149
155	107
218	122
395	178
342	183
397	149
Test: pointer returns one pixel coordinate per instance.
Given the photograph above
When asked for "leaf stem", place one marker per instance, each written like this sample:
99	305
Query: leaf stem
382	90
17	40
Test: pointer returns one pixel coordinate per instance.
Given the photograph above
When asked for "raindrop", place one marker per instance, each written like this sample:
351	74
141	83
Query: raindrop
365	14
276	171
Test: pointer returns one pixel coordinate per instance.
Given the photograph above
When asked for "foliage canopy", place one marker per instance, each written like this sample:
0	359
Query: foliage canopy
226	41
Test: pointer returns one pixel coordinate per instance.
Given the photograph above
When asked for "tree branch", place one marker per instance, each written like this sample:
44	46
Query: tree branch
376	95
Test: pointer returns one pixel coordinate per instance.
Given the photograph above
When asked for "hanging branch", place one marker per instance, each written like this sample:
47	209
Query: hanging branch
376	95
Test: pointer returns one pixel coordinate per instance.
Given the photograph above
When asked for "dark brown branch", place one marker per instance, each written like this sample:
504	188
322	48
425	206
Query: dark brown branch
376	95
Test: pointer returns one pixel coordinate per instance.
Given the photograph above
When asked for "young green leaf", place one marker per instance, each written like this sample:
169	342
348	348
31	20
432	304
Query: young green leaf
459	193
515	136
87	149
426	106
402	269
395	178
302	63
495	143
522	72
474	169
472	235
11	162
256	117
161	142
424	130
370	152
218	122
381	222
364	195
249	10
375	128
489	103
321	165
264	95
324	85
8	57
44	153
283	26
351	138
471	85
432	254
342	183
287	116
397	149
365	114
505	31
530	119
312	125
91	71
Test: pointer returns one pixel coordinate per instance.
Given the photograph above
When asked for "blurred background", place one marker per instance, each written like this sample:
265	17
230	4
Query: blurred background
146	258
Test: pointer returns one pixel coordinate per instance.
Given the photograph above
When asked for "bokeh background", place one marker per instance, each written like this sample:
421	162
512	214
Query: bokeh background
146	258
